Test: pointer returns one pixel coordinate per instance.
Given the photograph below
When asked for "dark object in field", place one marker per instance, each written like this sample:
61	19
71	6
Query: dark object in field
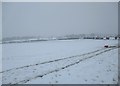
107	38
106	46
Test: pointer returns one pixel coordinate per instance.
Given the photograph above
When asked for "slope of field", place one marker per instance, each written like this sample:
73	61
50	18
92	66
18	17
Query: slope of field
101	69
56	62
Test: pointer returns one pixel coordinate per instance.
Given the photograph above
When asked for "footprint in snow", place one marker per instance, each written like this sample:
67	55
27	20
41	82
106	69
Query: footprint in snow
59	75
102	81
56	81
69	74
94	79
114	79
97	76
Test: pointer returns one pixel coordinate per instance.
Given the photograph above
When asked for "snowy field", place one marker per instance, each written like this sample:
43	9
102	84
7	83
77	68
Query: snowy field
0	63
60	62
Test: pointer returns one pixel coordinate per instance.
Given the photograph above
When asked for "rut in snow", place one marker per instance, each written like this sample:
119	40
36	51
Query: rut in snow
24	74
51	61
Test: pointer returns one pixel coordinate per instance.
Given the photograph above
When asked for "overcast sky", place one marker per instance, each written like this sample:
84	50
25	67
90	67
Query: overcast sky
55	19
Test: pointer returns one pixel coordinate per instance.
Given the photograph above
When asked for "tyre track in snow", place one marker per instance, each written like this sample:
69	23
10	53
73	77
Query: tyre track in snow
47	68
51	61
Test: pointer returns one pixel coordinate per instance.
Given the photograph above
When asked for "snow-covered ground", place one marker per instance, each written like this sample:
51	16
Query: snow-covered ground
60	62
0	63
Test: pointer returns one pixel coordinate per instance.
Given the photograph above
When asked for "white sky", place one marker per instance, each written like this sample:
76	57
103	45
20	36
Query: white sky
55	19
60	0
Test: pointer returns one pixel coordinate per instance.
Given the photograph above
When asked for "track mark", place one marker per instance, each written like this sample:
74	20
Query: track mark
47	68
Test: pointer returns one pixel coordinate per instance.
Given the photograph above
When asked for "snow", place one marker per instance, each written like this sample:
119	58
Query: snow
92	71
0	63
60	62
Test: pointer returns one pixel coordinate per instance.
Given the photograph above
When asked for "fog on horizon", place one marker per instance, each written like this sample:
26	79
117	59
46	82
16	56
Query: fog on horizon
58	18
